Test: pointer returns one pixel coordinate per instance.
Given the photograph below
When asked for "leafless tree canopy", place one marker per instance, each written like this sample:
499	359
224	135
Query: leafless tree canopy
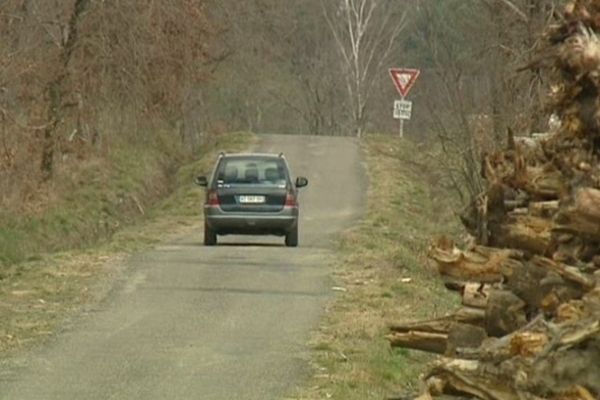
473	88
74	75
365	32
78	77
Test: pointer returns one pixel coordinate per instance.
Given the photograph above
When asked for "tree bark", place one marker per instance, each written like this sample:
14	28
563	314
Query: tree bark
465	315
505	313
425	341
482	264
583	215
56	91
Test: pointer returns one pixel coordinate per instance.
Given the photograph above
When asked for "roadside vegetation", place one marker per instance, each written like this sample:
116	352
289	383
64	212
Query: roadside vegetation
86	94
101	103
64	255
103	197
383	275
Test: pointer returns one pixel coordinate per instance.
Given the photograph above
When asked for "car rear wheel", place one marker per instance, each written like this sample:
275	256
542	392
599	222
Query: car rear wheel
210	237
291	239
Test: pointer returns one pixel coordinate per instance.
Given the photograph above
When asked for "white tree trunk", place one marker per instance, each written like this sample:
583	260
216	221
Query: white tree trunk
365	32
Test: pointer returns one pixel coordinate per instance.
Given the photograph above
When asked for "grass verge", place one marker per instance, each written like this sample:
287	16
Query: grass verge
82	207
384	276
37	295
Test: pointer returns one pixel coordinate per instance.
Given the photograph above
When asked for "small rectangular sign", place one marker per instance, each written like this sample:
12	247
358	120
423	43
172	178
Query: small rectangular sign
402	109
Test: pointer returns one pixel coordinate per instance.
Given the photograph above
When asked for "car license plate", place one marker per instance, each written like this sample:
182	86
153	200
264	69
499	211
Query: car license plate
252	199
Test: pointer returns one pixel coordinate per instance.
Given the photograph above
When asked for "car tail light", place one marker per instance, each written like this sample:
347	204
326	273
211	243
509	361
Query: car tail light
290	200
213	199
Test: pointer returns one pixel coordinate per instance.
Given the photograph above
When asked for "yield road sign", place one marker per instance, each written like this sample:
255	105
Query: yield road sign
402	109
404	79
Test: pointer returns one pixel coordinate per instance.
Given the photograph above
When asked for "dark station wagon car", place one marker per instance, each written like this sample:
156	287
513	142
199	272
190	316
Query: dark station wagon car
251	194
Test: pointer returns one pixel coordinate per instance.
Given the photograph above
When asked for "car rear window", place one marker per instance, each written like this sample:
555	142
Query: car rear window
254	171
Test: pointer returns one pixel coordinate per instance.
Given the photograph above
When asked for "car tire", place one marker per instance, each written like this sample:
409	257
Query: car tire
291	239
210	237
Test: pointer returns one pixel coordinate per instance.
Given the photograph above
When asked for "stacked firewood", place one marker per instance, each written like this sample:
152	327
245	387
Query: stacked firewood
529	325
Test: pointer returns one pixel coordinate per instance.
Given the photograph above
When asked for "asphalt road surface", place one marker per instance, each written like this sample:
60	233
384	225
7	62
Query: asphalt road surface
193	322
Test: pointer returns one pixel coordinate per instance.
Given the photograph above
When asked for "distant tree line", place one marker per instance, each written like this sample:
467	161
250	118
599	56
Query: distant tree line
80	76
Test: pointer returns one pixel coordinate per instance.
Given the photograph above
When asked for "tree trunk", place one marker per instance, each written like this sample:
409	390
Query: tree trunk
57	91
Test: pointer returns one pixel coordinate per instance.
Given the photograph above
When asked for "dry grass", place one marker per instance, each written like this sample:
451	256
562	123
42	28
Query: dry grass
385	273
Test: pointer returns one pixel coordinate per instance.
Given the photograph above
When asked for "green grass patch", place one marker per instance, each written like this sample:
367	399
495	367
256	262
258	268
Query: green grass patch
384	267
130	185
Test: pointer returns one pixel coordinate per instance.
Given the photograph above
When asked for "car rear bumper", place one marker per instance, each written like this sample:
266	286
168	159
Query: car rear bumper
224	223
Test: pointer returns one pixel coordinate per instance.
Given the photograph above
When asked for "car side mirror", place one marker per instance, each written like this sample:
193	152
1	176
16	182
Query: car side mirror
301	182
201	181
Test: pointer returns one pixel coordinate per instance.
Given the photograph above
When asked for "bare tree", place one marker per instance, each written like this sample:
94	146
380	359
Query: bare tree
78	77
365	32
56	90
471	51
310	57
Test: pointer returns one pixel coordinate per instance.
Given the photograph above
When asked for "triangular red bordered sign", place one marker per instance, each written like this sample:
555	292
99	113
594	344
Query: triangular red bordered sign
404	79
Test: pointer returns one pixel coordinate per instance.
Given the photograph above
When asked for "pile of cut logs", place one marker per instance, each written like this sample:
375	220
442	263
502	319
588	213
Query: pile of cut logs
529	326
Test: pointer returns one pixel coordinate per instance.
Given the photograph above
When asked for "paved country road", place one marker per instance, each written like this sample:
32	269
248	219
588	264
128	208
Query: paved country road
191	322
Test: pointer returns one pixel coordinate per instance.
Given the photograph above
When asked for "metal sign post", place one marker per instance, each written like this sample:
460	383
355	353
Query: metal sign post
401	128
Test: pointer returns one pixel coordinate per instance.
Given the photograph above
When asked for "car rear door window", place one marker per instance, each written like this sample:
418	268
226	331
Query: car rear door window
252	171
